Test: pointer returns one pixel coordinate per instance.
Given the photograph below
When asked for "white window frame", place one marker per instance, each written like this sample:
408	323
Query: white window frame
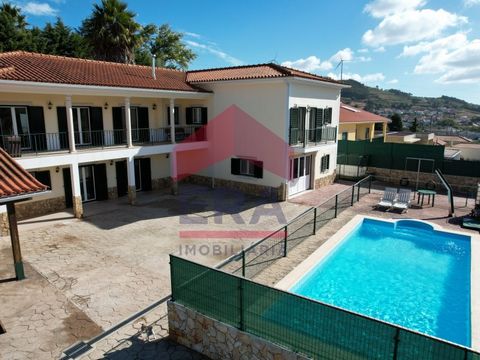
13	114
79	129
247	167
197	115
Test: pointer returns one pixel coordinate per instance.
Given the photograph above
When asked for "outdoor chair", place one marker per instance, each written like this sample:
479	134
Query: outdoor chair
402	202
388	198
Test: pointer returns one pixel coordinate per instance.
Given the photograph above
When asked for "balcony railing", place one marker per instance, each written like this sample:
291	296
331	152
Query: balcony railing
16	145
312	137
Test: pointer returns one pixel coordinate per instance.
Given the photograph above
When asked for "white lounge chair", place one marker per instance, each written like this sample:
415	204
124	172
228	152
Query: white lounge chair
388	198
403	200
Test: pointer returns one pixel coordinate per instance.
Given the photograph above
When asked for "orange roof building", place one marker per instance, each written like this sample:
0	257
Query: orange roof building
358	124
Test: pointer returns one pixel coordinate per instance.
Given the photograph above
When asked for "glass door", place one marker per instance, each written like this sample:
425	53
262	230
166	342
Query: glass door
81	125
14	122
87	182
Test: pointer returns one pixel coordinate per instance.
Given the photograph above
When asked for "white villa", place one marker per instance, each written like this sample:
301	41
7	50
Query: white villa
94	130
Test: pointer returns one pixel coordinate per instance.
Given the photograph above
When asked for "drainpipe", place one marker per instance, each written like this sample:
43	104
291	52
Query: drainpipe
154	75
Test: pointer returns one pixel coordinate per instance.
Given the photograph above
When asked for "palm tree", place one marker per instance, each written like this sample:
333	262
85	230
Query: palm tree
112	32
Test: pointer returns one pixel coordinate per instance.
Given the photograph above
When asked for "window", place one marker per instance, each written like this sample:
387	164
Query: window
345	135
247	167
177	115
196	115
43	177
325	163
328	116
367	133
133	121
14	121
81	125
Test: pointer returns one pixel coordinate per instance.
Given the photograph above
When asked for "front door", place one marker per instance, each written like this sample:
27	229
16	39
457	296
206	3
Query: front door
300	174
122	177
87	182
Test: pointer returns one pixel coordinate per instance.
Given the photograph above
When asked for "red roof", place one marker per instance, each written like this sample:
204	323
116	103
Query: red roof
261	71
15	180
25	66
349	114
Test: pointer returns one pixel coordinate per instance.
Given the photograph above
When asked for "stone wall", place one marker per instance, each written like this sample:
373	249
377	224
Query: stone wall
161	183
458	183
247	188
112	193
4	226
219	341
324	181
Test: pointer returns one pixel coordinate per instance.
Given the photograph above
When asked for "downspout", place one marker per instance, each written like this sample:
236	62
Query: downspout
154	74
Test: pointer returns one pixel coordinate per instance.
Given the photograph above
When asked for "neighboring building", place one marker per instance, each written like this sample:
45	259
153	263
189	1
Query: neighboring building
467	151
407	137
451	140
95	130
357	124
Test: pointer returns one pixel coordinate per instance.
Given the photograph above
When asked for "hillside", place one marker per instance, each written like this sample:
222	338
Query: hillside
431	111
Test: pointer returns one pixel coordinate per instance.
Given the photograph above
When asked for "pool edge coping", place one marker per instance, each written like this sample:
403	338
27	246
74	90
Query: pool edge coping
326	248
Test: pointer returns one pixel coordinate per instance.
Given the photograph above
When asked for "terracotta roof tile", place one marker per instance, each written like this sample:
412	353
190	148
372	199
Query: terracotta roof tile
25	66
349	114
260	71
15	180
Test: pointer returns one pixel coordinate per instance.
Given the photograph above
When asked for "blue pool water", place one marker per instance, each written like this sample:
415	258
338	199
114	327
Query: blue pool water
404	273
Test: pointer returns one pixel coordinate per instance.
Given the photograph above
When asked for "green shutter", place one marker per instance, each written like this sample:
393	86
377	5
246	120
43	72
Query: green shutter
258	169
328	115
294	122
235	166
319	118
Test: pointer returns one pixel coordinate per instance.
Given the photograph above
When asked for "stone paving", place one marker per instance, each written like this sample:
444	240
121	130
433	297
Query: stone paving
83	276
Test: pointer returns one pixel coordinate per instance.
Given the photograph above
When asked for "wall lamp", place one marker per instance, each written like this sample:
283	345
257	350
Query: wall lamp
154	106
49	105
105	106
57	169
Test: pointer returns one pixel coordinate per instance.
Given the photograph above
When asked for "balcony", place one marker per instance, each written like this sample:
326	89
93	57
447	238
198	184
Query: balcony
313	137
36	144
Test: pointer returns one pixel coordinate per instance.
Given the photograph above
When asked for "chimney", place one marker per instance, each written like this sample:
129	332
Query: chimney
154	75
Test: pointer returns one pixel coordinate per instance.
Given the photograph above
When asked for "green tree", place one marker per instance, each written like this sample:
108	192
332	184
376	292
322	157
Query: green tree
396	124
112	32
166	44
59	39
13	28
414	126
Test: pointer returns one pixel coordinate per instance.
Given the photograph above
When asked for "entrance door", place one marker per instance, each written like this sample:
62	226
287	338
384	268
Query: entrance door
122	177
300	174
67	185
81	125
87	182
143	174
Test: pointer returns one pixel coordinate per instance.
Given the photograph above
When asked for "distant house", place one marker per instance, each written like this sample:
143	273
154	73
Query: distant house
408	137
357	124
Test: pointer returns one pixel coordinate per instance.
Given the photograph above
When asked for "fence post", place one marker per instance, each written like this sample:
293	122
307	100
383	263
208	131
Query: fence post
241	323
336	205
353	195
314	221
243	263
370	184
285	236
358	192
396	338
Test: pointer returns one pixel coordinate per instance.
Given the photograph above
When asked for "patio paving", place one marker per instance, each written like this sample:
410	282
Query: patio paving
83	276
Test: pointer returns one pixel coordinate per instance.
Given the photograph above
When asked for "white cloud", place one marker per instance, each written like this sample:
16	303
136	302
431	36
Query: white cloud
363	51
454	41
192	34
39	9
369	78
215	51
393	81
382	8
344	54
411	26
469	3
380	49
310	64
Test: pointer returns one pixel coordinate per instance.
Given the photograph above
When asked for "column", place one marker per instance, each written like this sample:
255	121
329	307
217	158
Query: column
372	132
172	120
128	122
173	172
132	189
17	254
384	131
76	191
71	129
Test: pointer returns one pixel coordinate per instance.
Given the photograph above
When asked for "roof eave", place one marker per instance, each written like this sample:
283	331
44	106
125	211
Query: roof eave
322	82
76	89
22	197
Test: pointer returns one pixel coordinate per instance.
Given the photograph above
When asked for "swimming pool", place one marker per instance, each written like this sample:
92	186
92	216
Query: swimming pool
405	272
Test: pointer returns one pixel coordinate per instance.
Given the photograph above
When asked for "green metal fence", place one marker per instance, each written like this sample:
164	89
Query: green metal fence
394	156
255	258
303	325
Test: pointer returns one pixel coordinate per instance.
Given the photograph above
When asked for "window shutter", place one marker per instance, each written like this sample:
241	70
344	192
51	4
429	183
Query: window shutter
62	127
258	169
235	166
327	162
294	119
189	115
204	115
328	115
319	118
313	118
36	123
96	123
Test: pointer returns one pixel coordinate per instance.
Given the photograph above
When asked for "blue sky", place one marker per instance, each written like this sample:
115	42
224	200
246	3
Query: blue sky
428	48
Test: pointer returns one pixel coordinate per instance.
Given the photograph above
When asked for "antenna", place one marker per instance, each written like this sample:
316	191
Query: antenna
341	68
